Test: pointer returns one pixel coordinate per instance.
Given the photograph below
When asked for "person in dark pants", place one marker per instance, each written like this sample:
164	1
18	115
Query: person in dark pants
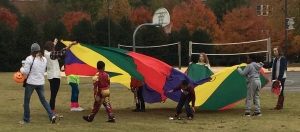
279	68
187	95
53	69
137	89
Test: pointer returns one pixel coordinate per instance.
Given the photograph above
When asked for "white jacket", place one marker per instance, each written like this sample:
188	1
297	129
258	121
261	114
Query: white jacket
53	70
36	76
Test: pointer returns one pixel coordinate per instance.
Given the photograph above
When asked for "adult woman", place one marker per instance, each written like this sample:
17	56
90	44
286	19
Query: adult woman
34	67
279	68
203	60
53	69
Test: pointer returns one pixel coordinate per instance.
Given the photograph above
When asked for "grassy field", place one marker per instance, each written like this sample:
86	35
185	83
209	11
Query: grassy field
155	118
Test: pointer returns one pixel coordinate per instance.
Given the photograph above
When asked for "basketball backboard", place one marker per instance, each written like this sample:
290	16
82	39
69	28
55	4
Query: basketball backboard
161	16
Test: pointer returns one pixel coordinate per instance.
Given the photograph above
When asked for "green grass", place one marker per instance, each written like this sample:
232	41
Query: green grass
155	119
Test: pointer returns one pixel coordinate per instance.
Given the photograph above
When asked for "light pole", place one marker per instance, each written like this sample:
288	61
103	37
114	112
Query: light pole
109	7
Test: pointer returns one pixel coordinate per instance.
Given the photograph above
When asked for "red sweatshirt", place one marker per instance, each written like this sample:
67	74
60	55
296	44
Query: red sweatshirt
103	81
188	93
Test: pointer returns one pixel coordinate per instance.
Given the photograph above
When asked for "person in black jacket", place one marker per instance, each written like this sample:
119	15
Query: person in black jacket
279	68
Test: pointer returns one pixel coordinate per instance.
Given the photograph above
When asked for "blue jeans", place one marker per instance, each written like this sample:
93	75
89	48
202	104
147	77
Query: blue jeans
27	95
75	92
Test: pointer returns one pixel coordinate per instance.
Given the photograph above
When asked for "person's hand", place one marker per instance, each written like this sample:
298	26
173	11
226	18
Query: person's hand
55	41
193	109
74	43
190	63
170	91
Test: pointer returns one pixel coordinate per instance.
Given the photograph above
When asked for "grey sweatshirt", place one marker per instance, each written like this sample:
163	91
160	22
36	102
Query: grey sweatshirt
251	71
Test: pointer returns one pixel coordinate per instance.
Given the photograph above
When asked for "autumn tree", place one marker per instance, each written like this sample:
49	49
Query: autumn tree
240	25
9	18
140	16
120	9
72	18
87	6
13	9
194	15
276	20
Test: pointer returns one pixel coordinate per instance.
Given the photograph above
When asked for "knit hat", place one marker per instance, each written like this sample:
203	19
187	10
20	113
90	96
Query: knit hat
35	47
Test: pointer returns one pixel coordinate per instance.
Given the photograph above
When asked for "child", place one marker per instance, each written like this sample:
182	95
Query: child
137	89
187	95
101	83
73	81
253	83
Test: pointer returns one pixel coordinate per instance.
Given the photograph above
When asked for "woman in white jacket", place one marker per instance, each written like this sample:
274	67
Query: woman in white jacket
34	68
53	69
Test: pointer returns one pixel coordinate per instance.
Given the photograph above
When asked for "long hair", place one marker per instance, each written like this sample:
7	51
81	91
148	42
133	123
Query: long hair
37	54
206	61
280	51
49	46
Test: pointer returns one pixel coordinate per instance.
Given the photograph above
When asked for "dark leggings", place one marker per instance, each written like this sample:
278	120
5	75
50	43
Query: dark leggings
282	81
54	87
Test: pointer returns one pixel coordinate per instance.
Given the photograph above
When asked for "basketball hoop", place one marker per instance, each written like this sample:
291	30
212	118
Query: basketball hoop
168	28
161	17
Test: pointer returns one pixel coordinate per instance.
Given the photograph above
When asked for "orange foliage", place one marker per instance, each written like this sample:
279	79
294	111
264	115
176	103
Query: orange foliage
194	15
242	25
277	22
140	16
9	18
72	18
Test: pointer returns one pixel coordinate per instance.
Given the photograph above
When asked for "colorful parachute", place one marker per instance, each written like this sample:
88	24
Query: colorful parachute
212	93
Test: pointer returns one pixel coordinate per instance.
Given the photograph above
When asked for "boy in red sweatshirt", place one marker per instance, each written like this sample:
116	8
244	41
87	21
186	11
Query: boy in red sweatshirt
187	95
101	83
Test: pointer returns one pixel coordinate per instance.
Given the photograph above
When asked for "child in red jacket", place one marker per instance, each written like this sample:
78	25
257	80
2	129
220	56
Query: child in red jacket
187	95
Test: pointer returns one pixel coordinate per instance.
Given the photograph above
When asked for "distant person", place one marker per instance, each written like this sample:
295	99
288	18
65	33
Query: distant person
279	68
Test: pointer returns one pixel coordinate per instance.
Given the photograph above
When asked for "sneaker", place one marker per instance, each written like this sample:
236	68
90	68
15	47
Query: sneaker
247	114
256	114
86	118
111	120
53	119
23	122
142	110
76	109
190	118
136	110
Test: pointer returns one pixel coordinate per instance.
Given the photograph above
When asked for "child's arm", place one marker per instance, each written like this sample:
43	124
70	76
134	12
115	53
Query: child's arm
245	71
175	89
193	96
267	65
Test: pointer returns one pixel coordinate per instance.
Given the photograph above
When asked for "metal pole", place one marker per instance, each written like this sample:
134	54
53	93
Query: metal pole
145	24
108	29
179	55
285	31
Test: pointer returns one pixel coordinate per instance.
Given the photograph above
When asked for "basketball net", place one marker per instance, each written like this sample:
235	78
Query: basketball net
168	28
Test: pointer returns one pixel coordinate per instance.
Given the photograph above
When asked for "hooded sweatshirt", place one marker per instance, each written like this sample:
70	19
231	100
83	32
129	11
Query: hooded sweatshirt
251	71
